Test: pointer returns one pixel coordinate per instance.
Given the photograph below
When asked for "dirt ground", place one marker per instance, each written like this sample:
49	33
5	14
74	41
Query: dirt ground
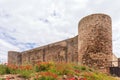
18	77
118	78
11	77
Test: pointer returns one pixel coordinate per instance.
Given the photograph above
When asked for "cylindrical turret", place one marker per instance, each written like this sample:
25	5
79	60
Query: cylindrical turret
95	41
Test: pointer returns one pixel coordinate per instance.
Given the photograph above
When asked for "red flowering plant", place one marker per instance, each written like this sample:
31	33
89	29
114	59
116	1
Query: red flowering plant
82	79
64	69
26	67
11	68
43	66
46	76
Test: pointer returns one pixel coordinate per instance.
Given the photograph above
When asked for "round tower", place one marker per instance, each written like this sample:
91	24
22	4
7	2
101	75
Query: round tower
95	41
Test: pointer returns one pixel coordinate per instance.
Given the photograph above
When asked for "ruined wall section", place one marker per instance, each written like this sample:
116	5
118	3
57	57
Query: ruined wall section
63	51
95	41
72	50
32	56
56	52
14	58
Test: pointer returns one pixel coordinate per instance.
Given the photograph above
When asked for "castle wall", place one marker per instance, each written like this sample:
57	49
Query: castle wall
14	57
63	51
92	46
95	41
72	50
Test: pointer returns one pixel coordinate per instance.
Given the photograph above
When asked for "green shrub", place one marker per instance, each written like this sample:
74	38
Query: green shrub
83	68
4	70
52	71
43	66
25	73
64	69
45	78
97	76
2	79
7	70
37	68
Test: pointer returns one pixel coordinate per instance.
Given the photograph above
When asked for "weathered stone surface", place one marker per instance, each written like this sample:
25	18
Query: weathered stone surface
92	46
95	41
14	57
63	51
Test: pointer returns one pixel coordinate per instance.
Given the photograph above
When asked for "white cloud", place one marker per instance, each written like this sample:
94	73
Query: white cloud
7	45
4	47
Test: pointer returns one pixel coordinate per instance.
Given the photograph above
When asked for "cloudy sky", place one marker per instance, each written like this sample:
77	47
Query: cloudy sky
26	24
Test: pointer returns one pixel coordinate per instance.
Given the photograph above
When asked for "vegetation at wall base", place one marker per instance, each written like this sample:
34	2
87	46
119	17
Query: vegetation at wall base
54	71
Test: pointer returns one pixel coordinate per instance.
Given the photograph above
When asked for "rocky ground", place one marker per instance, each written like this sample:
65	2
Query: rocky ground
18	77
11	77
118	78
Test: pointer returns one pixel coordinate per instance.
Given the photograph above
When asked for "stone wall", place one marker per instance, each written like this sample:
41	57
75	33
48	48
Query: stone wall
95	41
72	50
51	52
63	51
92	46
14	57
